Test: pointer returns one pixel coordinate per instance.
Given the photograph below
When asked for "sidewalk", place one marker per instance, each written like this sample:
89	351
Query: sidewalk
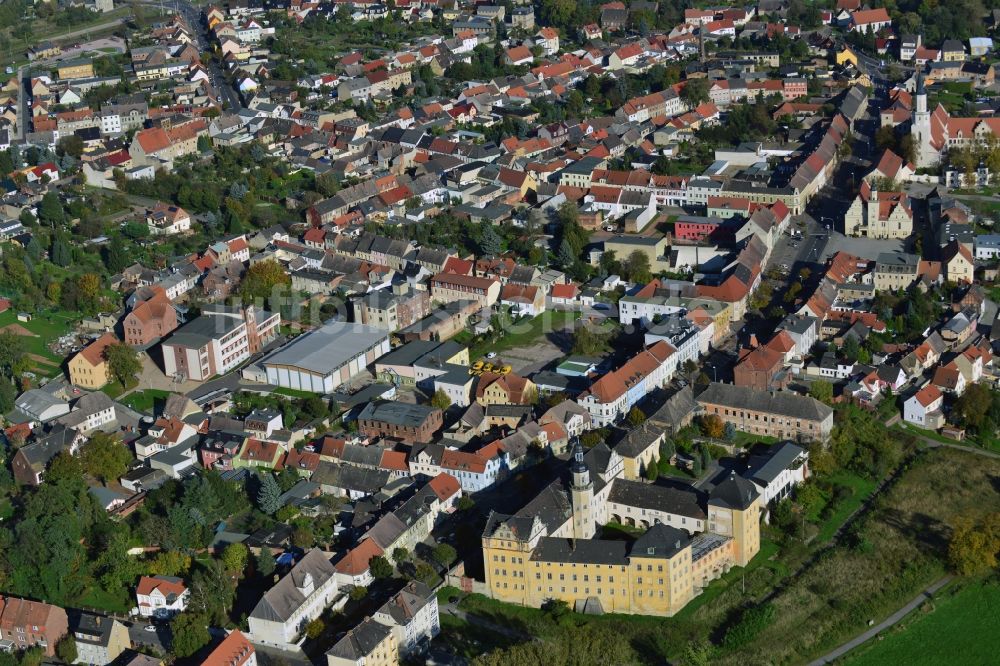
889	622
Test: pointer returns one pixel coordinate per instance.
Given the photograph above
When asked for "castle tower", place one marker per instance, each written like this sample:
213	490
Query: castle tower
734	510
581	495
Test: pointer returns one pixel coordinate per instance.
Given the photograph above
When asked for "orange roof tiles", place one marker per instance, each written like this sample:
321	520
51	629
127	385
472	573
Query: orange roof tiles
445	486
166	585
94	352
355	562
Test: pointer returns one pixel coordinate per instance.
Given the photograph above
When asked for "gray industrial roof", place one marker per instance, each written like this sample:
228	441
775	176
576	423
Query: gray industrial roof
327	348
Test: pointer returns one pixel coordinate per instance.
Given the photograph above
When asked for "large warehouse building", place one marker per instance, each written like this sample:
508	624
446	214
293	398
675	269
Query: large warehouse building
327	357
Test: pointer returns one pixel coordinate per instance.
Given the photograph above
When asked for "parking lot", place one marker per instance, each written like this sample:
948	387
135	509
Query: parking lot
866	248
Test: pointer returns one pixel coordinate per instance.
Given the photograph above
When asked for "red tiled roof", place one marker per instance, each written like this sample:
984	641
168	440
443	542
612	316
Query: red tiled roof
565	290
928	395
355	562
94	352
445	486
394	461
235	649
149	583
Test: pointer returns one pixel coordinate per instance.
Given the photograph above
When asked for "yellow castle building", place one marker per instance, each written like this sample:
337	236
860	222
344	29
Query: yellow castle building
548	550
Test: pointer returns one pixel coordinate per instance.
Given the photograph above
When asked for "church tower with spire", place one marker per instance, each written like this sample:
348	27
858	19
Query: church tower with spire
581	495
920	127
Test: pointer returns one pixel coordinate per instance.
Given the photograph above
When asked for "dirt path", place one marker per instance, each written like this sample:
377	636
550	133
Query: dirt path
17	329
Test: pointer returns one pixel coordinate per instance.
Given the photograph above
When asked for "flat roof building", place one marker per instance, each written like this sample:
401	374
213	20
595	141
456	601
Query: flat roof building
323	359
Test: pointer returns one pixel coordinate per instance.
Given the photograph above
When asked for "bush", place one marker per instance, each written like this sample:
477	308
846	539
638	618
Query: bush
315	629
750	625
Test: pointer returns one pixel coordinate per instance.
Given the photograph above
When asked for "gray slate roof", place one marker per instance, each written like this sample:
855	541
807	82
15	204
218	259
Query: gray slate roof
281	601
360	641
781	403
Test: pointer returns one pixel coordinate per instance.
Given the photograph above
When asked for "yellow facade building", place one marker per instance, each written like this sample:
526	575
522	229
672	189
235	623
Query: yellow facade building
81	68
370	644
548	550
89	369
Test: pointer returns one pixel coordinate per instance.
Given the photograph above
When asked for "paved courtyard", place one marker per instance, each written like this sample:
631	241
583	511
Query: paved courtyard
866	248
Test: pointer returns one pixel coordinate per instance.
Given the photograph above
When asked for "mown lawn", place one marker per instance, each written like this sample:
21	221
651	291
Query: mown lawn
46	327
145	400
956	628
100	599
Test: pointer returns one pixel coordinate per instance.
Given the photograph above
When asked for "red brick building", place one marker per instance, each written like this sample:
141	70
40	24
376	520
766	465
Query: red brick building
410	424
760	369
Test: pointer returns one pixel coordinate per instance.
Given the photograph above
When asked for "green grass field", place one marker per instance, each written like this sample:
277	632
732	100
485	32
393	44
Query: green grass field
145	400
959	628
860	488
524	333
46	327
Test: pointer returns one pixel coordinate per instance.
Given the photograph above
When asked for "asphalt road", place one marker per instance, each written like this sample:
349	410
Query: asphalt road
22	102
224	92
139	636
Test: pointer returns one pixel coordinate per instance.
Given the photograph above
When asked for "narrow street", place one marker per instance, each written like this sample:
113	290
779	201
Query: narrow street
891	621
224	92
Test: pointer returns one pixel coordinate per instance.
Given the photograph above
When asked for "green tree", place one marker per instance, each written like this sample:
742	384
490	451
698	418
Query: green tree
66	649
8	394
105	457
974	545
12	354
65	467
490	243
706	456
974	406
444	554
235	558
637	267
566	256
380	567
636	417
851	349
50	209
262	279
61	253
695	91
190	634
265	562
269	495
557	12
400	555
587	341
822	390
213	590
440	400
123	362
116	256
652	471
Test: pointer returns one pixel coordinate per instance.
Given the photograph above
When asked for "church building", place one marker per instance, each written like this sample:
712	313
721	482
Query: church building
935	132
